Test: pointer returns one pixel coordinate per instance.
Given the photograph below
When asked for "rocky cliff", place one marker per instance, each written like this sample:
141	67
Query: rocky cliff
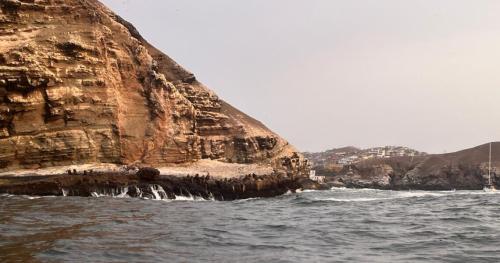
78	84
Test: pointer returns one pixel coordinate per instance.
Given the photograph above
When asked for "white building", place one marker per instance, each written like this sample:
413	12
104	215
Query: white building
319	179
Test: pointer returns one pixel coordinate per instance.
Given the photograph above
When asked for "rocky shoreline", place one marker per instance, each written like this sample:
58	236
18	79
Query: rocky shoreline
432	183
148	183
463	170
399	175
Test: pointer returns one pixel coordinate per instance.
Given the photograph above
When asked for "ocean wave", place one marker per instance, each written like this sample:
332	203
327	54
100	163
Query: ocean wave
246	199
357	189
414	193
420	194
385	195
350	199
191	198
29	197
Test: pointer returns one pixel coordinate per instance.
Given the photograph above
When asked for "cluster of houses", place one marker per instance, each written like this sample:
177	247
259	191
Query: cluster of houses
350	155
335	159
344	158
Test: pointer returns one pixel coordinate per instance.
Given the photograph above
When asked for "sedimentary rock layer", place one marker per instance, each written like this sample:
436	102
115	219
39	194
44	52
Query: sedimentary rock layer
78	84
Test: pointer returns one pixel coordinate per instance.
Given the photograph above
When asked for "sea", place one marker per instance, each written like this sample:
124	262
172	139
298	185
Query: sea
337	225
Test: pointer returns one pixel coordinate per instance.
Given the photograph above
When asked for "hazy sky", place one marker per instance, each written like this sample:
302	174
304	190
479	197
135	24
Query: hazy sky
331	73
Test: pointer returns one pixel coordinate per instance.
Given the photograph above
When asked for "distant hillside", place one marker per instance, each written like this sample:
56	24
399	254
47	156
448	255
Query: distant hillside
464	169
473	156
333	159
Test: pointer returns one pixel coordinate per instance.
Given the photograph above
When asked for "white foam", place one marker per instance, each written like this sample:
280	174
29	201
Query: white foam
351	199
193	198
156	190
95	194
481	192
184	198
115	193
123	193
246	199
390	194
420	194
357	189
31	197
382	195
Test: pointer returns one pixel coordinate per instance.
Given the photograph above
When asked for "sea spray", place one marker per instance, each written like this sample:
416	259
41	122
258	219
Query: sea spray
158	192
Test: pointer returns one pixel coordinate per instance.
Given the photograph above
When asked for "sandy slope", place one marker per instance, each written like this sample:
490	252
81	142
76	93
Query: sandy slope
202	167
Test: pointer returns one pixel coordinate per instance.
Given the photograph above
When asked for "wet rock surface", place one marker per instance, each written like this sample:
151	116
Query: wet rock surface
161	187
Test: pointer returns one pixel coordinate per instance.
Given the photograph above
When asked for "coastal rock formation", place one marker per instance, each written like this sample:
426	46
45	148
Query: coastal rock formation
465	169
78	84
135	185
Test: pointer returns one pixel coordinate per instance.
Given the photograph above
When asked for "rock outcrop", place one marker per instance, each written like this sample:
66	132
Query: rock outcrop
130	184
78	84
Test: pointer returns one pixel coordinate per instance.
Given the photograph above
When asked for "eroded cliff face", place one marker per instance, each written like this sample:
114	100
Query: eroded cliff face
78	84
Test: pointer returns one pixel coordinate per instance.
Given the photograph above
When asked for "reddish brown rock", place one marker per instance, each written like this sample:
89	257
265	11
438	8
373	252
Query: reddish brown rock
78	84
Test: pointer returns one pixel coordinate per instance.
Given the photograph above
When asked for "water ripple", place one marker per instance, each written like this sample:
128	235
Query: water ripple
341	225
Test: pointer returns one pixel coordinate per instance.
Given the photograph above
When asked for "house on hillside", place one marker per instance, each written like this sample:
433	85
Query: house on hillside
314	177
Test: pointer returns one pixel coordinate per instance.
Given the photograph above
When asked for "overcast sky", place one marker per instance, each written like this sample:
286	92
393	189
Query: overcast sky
331	73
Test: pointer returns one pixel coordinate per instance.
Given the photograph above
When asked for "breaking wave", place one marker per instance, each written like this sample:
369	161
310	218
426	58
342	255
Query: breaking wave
153	192
369	195
350	199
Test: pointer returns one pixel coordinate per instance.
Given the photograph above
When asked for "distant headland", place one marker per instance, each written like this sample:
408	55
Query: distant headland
402	168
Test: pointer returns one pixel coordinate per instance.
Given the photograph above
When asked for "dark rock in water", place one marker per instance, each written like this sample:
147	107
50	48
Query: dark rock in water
309	184
147	184
148	173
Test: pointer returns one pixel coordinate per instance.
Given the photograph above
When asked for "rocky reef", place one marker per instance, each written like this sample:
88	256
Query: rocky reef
149	184
78	84
465	170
